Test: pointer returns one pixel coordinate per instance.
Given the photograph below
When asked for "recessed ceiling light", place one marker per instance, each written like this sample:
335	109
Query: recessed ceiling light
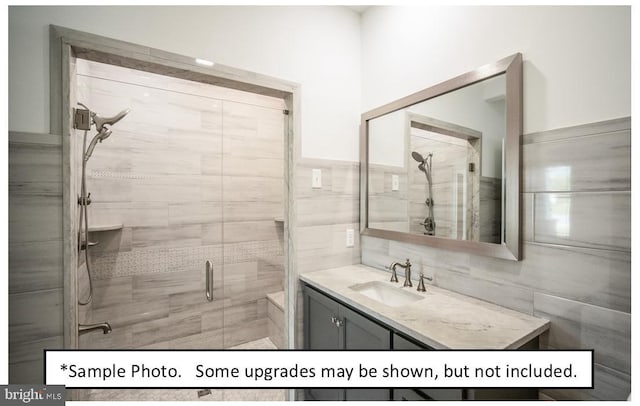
204	62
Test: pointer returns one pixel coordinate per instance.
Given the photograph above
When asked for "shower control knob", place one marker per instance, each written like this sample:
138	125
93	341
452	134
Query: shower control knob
84	201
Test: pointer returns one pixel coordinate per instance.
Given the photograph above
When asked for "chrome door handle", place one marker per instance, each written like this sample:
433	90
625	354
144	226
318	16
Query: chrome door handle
209	281
337	321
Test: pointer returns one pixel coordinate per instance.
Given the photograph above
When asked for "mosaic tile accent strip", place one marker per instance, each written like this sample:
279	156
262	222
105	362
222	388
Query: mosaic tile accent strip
153	260
119	175
161	260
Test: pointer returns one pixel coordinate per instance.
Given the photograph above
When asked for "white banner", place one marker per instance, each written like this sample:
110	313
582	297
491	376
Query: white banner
318	369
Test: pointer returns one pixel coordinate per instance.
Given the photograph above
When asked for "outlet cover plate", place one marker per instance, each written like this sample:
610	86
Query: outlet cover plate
350	238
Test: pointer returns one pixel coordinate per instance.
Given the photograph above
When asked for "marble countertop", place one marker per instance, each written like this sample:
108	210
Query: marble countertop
442	320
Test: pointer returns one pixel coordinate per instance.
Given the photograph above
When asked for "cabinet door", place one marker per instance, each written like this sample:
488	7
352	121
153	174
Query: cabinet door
321	333
360	333
401	343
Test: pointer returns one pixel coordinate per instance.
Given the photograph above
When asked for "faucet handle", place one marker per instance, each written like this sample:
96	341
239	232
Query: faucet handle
394	275
421	287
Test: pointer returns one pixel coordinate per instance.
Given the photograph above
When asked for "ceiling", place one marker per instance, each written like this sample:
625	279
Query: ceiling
359	9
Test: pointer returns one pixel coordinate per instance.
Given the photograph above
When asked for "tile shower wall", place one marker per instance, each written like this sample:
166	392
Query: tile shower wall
576	268
193	173
35	252
455	189
490	209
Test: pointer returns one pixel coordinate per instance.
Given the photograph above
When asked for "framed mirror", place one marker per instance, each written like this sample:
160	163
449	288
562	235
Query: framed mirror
441	167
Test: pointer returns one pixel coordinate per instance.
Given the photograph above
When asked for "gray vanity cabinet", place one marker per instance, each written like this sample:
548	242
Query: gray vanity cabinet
329	325
401	343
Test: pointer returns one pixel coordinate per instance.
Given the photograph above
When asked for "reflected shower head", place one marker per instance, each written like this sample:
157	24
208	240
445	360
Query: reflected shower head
417	156
422	161
100	122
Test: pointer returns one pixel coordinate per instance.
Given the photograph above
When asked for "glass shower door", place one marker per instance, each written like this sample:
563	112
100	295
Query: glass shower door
158	178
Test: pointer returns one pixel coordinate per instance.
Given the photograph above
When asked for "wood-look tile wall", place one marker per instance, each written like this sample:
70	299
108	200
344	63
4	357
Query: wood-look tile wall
35	252
451	180
194	173
490	209
404	209
388	209
322	217
576	268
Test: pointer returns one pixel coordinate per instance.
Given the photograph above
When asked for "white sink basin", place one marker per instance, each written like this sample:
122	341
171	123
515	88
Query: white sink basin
382	292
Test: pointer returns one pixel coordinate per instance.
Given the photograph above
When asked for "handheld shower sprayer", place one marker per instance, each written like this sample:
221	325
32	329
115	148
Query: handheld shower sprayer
424	165
84	119
101	136
103	125
417	157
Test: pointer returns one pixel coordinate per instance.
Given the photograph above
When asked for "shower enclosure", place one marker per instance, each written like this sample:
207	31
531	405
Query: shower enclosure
186	229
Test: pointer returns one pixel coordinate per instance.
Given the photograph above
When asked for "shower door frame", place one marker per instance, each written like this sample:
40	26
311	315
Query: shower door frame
64	46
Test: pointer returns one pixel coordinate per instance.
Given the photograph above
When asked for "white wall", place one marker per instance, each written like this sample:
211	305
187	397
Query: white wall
577	65
318	47
468	108
387	139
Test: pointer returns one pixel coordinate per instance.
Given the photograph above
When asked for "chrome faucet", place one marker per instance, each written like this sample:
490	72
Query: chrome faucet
407	272
86	328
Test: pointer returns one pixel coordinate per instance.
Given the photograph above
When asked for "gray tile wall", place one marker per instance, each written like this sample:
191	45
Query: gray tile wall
449	162
576	267
35	252
490	209
322	218
389	209
324	215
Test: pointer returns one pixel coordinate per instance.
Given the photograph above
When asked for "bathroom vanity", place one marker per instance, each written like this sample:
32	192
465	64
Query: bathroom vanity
356	307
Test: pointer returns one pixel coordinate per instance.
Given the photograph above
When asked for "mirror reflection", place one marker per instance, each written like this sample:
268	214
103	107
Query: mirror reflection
436	167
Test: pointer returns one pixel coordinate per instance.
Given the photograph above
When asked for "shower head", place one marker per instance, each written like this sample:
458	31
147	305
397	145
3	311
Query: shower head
100	121
103	126
417	156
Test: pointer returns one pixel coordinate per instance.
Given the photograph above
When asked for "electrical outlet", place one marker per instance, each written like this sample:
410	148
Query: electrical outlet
350	238
395	183
316	178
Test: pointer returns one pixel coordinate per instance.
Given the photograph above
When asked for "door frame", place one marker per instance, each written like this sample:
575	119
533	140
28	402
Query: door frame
65	45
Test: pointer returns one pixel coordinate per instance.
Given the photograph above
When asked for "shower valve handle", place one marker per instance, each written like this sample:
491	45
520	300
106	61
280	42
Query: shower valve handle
84	201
